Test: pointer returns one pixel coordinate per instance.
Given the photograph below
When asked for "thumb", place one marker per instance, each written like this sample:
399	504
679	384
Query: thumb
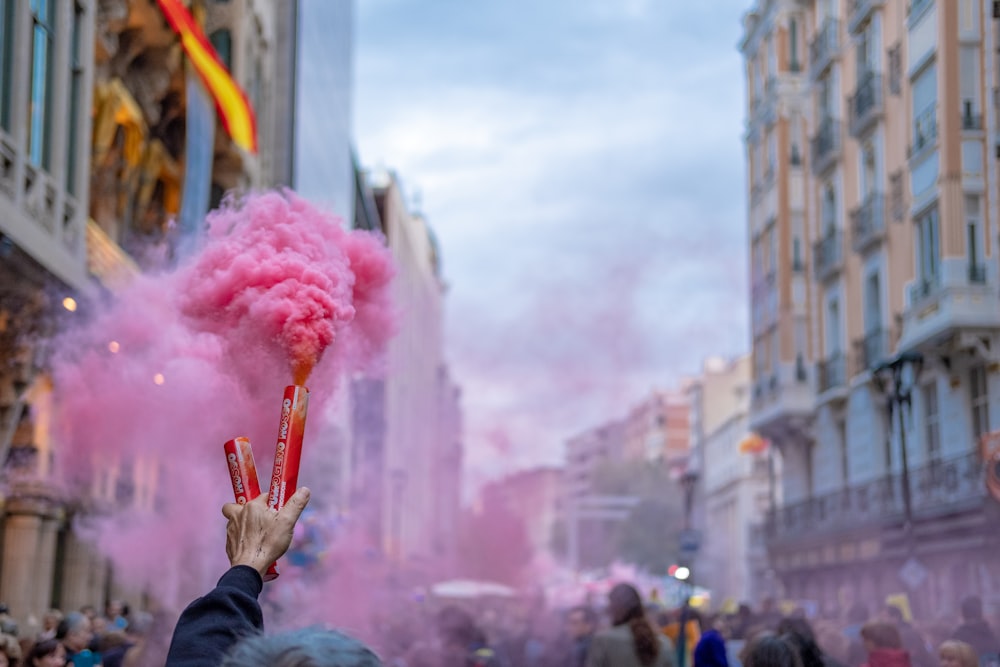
292	510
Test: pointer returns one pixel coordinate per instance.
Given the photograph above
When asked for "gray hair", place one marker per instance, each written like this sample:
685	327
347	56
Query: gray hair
309	647
69	623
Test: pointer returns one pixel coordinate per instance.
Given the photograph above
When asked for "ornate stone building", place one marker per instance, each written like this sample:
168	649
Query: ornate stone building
93	159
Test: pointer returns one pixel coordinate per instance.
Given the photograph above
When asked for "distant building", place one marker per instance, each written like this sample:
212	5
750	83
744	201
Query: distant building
734	487
657	428
406	456
533	495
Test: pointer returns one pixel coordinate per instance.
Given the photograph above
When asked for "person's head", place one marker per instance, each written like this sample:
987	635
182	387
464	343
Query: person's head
972	608
74	632
46	653
88	610
880	635
894	614
857	614
711	651
140	625
98	625
769	650
50	619
310	647
625	608
581	622
957	654
10	651
799	633
114	609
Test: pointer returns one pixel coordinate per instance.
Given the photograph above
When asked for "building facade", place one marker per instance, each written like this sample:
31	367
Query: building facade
93	116
406	454
890	218
734	485
533	496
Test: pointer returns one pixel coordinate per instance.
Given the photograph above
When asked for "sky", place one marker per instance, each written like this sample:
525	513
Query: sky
581	164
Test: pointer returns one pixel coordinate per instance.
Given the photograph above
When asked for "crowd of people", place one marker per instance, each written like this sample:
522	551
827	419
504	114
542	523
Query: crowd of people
224	628
82	638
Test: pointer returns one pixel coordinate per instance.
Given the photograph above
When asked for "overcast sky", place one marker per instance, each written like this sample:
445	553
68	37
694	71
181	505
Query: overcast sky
581	164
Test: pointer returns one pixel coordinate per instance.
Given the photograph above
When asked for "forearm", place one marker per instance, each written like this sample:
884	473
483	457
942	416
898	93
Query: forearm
212	624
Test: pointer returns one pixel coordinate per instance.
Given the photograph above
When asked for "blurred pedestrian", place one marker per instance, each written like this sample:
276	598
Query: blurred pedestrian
632	641
582	625
46	653
884	645
769	650
975	631
913	641
10	651
954	653
75	634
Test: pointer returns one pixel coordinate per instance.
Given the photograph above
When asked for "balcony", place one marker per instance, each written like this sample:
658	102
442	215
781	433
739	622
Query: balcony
825	145
860	11
936	488
963	296
868	223
824	47
866	104
871	349
831	373
972	122
781	397
828	255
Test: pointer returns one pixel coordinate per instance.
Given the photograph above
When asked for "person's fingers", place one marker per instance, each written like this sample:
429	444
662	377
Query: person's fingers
230	510
292	510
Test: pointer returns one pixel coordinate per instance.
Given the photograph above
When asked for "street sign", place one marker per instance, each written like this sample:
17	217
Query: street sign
690	542
913	573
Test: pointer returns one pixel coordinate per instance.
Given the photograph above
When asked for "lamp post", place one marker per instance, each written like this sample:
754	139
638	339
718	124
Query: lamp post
896	379
689	547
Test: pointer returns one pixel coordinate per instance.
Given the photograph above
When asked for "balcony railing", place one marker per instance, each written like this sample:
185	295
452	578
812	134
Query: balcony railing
828	254
866	103
972	122
825	145
923	288
824	47
861	11
868	222
872	348
938	486
831	373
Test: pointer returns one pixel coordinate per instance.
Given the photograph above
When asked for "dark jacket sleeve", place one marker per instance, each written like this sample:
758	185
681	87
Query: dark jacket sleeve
212	624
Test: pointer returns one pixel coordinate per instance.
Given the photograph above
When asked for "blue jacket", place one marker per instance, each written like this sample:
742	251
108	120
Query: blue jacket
211	625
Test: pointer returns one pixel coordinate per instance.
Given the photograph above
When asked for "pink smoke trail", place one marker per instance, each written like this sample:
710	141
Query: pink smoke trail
180	362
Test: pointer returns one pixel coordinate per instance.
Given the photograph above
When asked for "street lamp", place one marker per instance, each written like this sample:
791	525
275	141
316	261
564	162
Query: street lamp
895	379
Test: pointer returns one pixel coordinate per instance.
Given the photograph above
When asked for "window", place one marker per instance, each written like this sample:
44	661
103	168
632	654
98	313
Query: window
826	97
977	273
6	59
797	263
895	70
828	210
772	153
897	196
75	88
968	68
772	57
864	56
222	42
842	445
793	45
869	171
932	420
41	83
873	304
928	247
833	327
924	107
979	393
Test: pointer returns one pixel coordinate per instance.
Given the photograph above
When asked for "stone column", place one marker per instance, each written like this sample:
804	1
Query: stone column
29	547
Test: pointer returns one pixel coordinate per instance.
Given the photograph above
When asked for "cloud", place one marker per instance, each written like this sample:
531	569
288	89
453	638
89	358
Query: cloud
581	163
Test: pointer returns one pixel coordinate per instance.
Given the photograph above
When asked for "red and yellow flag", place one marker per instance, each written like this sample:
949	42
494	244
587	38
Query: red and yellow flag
230	100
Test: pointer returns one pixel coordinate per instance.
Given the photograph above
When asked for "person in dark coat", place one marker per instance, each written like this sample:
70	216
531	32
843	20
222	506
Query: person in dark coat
913	642
582	624
975	631
711	650
224	628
